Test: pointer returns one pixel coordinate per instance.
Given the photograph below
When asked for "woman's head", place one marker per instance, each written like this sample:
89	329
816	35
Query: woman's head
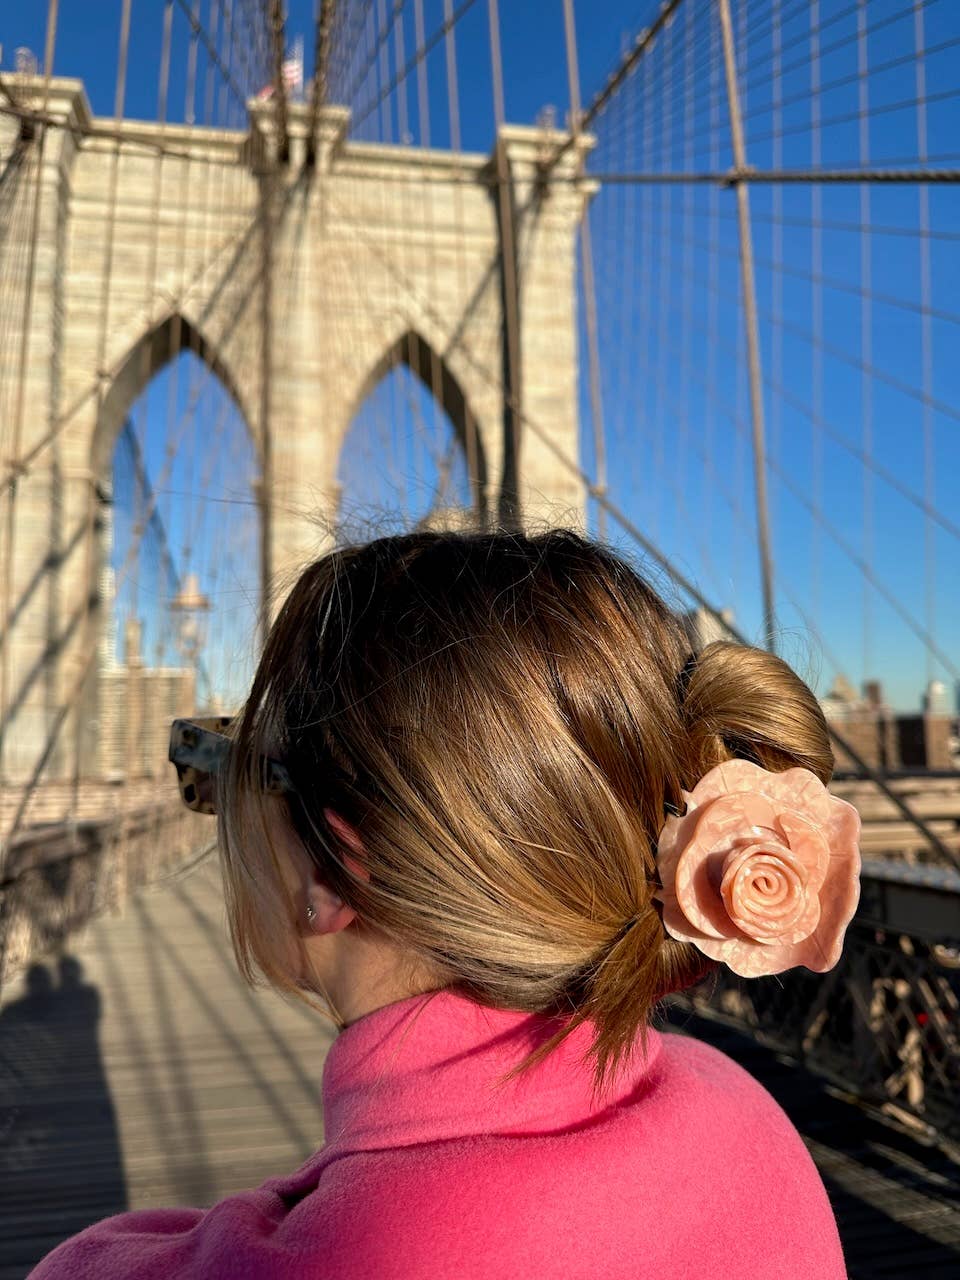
483	731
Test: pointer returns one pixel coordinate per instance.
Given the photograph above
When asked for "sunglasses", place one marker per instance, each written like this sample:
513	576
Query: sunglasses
200	749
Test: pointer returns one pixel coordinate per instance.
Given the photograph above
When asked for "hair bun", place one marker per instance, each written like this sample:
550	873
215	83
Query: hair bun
740	702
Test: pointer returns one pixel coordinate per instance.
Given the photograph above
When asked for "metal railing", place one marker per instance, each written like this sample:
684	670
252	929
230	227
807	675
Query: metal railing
58	876
884	1025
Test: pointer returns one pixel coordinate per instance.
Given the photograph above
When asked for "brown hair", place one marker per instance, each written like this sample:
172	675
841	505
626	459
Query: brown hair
503	717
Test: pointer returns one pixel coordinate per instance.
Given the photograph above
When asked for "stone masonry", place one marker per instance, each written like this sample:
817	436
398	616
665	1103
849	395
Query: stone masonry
298	286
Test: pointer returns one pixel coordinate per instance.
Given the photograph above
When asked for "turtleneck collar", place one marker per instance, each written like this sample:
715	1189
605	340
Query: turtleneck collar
426	1068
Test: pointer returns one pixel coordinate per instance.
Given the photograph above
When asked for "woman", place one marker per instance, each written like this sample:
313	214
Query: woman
486	809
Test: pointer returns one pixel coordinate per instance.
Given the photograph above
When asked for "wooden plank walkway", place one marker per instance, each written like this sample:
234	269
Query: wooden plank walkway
139	1070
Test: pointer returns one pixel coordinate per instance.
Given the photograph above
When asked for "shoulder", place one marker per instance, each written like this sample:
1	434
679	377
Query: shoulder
697	1080
698	1173
694	1074
725	1123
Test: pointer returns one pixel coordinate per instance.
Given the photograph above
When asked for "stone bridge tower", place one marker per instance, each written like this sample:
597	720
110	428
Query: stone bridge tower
298	284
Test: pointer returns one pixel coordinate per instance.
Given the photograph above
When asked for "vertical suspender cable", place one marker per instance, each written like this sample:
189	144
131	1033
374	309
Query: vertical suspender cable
272	161
688	258
926	333
91	553
627	373
423	113
866	330
477	481
776	243
386	114
279	82
645	326
589	285
713	274
26	323
510	512
150	276
496	63
412	438
816	318
665	281
748	285
321	73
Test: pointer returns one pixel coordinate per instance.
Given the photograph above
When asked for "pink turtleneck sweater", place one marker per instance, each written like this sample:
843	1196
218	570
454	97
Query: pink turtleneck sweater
689	1171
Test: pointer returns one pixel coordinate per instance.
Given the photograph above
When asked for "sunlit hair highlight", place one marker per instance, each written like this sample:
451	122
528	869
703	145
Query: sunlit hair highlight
502	717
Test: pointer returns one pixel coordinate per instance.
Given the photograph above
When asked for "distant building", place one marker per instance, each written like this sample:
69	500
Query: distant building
873	693
843	699
885	740
453	519
703	628
137	705
925	741
866	723
936	699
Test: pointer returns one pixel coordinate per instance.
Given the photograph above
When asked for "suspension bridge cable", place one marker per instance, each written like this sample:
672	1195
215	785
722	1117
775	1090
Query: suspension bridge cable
838	353
866	326
278	27
470	426
751	331
850	552
641	44
9	561
926	335
385	29
321	73
200	33
768	57
400	77
586	260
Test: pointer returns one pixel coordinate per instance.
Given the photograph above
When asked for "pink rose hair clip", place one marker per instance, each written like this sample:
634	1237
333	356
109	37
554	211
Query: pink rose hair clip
762	871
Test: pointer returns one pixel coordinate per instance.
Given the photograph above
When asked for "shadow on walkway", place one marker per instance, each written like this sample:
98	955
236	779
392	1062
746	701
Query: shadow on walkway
61	1166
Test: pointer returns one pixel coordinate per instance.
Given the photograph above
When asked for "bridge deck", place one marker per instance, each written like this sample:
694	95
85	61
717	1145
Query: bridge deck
141	1071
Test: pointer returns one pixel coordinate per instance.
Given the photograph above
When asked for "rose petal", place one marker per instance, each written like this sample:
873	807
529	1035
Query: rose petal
719	828
729	778
808	843
674	837
751	959
839	899
679	927
843	826
803	792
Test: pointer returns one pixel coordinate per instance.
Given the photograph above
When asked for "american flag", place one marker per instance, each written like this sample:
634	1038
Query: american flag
292	74
293	69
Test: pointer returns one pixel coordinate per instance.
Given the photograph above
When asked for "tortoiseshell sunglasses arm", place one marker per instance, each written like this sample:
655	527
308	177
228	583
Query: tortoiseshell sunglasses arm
195	746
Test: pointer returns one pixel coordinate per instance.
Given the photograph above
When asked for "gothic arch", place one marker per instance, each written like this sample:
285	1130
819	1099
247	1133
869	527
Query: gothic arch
146	358
421	358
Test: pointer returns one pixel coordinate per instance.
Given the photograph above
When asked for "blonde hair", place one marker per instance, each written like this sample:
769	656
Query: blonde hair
503	718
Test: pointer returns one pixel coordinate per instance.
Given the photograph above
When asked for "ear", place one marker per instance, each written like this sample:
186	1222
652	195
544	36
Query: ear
330	913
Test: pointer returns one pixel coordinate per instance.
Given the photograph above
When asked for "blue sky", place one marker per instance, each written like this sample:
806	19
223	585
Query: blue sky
673	378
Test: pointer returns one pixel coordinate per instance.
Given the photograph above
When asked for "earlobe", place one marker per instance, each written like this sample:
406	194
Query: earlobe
325	912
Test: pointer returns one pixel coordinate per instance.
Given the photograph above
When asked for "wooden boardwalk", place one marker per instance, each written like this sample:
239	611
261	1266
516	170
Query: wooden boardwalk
139	1070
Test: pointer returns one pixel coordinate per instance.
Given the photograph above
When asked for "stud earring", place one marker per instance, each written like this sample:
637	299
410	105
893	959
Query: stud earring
311	913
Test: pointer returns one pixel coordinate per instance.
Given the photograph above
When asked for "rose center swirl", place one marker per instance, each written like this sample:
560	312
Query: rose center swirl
763	889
